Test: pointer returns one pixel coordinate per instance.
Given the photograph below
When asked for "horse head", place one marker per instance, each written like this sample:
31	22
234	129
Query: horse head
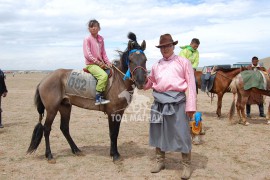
135	61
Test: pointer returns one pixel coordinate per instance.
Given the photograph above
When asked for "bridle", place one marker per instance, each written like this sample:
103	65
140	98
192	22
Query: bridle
137	51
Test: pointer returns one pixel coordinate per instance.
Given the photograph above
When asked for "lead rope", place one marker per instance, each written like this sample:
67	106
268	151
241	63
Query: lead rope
122	72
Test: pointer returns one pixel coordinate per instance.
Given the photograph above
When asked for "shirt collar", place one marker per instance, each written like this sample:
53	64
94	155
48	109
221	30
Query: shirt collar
99	38
258	65
170	58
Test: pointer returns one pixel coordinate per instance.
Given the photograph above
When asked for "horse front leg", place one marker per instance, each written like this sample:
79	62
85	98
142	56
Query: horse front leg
219	104
114	126
64	126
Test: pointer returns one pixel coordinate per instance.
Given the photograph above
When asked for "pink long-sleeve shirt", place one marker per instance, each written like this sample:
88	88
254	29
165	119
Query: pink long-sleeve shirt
174	74
94	50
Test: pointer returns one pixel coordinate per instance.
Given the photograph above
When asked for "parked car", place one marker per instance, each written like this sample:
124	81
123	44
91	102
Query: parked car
244	64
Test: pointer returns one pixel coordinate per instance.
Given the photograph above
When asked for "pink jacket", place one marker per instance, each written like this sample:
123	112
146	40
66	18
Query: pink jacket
94	50
174	74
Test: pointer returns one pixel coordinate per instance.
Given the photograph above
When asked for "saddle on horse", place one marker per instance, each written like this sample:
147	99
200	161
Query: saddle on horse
81	83
207	79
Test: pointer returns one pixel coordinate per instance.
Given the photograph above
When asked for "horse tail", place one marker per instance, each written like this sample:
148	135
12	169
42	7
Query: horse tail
132	36
233	85
233	89
36	138
232	109
39	104
39	128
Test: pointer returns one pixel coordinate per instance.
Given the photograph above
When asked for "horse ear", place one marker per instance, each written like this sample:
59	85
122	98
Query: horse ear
143	45
130	45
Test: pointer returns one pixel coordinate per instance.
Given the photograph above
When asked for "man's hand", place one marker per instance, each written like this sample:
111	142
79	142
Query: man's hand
4	94
109	65
190	114
100	64
103	66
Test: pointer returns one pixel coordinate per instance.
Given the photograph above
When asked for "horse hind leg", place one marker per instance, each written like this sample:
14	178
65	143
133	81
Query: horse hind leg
65	110
238	107
268	114
242	107
47	130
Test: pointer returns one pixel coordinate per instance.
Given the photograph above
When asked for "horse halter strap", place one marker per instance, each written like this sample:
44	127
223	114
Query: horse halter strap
128	73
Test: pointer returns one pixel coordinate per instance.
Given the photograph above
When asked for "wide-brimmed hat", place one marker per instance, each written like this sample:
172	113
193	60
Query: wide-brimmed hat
166	39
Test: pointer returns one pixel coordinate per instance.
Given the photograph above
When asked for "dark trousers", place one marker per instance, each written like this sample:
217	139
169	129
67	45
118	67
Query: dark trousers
261	109
0	110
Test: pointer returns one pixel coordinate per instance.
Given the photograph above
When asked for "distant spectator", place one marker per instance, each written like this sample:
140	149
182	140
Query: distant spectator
255	66
3	92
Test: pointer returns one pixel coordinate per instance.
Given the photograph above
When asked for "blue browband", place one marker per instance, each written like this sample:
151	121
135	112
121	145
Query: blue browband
135	50
128	74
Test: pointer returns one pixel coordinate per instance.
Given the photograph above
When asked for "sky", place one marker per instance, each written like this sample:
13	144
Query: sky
48	34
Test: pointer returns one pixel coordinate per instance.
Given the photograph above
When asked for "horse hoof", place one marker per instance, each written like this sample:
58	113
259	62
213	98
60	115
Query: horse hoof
245	123
116	158
51	161
80	153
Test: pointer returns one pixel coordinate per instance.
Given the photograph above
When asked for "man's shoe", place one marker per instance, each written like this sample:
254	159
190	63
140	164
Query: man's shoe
248	116
262	115
1	126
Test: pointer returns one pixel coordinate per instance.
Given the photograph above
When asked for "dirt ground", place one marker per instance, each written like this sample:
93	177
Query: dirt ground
228	151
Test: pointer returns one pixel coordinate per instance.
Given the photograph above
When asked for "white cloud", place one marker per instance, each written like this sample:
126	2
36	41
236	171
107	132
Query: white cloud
48	34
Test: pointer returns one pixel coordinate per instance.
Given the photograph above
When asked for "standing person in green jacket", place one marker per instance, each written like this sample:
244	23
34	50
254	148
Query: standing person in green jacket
191	53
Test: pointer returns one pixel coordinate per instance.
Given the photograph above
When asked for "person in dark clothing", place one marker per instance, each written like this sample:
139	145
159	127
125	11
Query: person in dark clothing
255	66
3	92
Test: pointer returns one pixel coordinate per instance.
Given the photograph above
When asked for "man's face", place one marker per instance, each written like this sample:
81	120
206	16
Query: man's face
255	62
194	45
167	50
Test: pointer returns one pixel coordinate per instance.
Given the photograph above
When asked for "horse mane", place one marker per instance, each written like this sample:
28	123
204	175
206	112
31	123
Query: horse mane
124	55
226	69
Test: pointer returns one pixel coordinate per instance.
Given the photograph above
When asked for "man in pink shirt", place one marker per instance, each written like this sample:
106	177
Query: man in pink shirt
96	59
170	78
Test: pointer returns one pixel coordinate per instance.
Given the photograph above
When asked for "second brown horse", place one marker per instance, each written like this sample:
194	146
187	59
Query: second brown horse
222	81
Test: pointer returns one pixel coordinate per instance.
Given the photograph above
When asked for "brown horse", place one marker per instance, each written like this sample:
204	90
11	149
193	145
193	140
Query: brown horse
51	96
222	81
237	86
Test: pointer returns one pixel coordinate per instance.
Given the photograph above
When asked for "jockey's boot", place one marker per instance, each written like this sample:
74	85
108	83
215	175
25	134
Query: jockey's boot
186	161
100	100
261	109
160	161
